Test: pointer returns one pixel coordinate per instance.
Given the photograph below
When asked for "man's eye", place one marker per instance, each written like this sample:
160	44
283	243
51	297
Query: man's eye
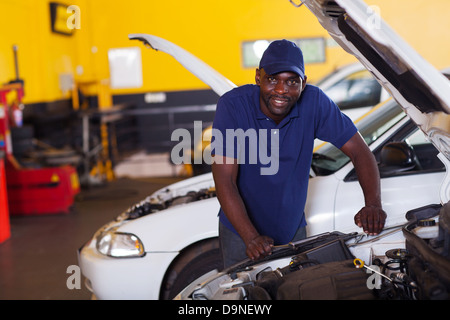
271	79
292	82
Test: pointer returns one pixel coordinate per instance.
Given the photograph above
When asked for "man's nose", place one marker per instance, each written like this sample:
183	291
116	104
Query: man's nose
281	87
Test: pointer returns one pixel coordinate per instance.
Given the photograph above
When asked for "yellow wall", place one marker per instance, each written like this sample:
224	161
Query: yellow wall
423	24
212	30
43	56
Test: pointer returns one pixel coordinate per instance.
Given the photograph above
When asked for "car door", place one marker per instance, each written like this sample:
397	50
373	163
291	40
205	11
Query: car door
403	186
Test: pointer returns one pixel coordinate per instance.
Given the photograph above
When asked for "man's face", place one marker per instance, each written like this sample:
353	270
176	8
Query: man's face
279	92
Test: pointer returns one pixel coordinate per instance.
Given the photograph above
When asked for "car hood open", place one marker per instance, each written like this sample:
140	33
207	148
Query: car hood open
197	67
420	89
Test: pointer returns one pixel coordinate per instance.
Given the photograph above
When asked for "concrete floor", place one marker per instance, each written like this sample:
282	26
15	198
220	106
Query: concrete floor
34	261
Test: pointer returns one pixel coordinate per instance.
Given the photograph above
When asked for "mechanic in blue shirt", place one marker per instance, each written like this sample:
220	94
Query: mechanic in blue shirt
263	138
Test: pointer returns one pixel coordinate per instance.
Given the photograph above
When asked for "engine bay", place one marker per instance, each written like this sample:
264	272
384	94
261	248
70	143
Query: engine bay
327	267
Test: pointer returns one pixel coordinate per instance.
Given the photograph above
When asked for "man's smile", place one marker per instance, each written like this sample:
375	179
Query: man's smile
279	101
276	99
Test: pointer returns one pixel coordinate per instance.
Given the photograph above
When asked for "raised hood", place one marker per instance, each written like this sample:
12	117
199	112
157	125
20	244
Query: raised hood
421	90
197	67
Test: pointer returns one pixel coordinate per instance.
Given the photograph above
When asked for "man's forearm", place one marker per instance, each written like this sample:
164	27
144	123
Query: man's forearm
366	169
369	178
231	201
371	217
235	211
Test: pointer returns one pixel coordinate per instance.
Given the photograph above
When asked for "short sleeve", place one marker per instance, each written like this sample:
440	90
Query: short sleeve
332	126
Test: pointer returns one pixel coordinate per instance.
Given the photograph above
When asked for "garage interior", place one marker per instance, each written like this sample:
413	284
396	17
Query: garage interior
64	104
35	259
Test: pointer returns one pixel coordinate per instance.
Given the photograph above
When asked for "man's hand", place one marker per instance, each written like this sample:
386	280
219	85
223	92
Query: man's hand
259	247
371	219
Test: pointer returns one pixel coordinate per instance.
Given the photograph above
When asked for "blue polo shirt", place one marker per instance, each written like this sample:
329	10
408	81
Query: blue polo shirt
275	160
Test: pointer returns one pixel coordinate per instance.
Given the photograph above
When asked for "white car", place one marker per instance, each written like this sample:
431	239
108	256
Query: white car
160	245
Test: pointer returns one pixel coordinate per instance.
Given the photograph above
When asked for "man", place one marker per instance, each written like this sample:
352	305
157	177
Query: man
259	210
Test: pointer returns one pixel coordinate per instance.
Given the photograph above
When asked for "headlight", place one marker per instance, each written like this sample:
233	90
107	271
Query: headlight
119	244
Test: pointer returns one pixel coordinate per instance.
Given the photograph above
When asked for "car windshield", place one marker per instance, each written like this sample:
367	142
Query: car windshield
327	159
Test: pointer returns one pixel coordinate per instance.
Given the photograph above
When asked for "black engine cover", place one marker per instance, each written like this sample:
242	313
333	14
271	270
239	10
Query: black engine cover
328	281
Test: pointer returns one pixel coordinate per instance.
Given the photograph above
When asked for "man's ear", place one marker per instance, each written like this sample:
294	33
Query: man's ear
304	82
258	77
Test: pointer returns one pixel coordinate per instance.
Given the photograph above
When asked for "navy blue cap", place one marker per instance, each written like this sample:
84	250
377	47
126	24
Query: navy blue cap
282	56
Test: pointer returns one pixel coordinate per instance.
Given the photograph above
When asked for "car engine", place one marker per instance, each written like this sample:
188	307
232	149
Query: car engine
324	267
164	200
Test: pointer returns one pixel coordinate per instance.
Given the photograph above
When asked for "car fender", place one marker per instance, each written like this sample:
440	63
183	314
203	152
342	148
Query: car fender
319	207
182	231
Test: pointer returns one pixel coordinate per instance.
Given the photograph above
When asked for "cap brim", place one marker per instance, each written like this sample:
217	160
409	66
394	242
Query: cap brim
279	67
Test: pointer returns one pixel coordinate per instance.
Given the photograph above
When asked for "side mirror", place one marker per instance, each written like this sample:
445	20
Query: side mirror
396	157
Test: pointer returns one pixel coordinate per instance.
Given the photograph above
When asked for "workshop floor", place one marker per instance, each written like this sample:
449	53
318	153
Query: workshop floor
34	261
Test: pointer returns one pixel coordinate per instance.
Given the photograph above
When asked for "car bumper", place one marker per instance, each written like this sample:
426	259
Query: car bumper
123	278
